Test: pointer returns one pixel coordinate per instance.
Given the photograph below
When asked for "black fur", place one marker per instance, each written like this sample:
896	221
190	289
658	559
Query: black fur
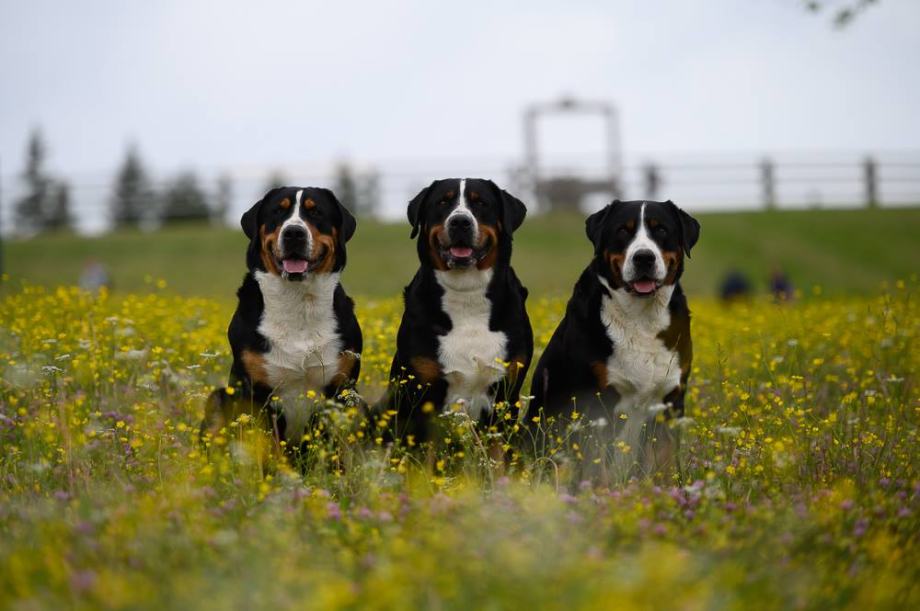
424	321
565	370
329	217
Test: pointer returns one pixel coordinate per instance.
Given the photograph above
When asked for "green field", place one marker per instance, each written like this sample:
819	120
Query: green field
851	251
798	485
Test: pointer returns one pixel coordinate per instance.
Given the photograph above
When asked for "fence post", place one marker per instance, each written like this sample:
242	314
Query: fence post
768	183
870	176
652	179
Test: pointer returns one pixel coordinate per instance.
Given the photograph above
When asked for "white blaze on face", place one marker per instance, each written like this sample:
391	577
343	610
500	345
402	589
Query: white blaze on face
643	241
296	220
297	262
463	209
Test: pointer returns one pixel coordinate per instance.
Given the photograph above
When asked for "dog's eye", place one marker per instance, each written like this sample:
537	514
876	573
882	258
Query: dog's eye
623	231
661	230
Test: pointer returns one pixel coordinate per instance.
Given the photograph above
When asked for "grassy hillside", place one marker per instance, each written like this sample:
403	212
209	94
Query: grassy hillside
851	251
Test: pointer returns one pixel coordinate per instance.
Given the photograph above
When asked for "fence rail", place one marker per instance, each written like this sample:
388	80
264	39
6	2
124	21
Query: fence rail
697	182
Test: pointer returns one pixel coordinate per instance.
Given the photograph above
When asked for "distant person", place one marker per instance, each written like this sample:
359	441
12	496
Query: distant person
95	275
734	286
780	285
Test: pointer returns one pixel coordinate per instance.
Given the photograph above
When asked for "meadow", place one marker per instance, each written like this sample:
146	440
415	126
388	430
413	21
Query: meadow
844	251
799	484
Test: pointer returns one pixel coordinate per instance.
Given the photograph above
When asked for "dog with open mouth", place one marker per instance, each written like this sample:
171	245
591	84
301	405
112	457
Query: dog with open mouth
622	353
294	329
465	340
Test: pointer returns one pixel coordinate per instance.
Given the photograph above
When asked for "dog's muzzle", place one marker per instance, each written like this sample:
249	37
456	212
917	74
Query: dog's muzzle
643	277
461	233
295	252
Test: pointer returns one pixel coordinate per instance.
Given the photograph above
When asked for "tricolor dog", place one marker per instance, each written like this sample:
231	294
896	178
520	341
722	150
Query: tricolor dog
294	329
622	354
465	341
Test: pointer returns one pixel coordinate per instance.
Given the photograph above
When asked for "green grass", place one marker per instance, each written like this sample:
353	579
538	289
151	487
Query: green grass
851	251
798	486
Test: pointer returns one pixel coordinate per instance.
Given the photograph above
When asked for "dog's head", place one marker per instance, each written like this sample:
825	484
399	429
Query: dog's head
640	246
297	231
464	223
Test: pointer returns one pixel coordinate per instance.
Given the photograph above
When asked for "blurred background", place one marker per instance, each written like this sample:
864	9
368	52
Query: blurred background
133	135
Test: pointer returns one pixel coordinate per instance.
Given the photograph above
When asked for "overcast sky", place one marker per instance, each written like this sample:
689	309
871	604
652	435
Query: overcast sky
234	84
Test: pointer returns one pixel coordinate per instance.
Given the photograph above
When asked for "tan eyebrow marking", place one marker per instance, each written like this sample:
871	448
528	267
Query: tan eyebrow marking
308	203
474	196
285	203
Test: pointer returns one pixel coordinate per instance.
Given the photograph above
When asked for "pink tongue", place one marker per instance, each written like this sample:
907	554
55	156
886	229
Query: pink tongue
461	252
295	266
644	286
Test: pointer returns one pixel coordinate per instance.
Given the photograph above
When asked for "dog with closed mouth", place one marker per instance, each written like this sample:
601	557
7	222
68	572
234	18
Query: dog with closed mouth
465	340
621	356
294	329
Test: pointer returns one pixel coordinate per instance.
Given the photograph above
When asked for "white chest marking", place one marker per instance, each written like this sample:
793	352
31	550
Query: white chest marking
300	326
641	369
470	353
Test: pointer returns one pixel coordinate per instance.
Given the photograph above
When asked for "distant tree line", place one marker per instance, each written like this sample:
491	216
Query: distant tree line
137	201
45	205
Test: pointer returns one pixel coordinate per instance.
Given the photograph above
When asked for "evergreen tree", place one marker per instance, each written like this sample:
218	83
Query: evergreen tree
31	210
184	200
359	192
368	200
58	215
133	197
345	186
223	199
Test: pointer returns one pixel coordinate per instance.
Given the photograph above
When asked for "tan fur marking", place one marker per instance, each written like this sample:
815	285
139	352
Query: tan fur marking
434	247
672	259
488	233
427	370
677	337
324	245
309	203
347	362
616	260
268	249
254	363
285	203
599	369
518	367
631	225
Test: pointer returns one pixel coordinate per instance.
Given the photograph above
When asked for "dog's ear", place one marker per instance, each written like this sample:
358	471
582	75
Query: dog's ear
250	219
689	227
416	209
347	222
594	224
513	209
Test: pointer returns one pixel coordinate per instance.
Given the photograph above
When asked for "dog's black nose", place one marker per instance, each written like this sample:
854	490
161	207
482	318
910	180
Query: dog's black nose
295	233
644	259
461	221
